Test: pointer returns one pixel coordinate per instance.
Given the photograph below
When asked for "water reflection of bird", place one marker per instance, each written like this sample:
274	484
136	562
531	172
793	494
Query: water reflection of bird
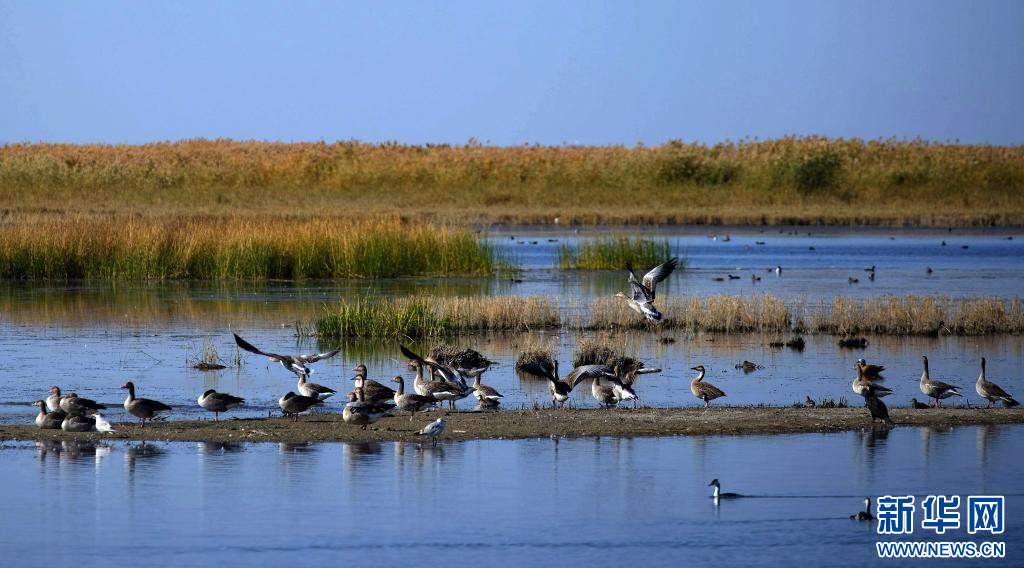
294	363
718	491
991	391
434	429
934	388
704	391
864	515
642	294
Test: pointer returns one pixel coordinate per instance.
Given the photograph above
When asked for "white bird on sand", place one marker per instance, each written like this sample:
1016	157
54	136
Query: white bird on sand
434	429
101	423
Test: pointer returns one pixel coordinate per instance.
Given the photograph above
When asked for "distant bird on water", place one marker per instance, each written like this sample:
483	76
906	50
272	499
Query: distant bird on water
718	491
864	515
294	363
642	294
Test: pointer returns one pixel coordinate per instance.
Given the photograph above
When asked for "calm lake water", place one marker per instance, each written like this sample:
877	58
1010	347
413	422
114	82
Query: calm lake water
590	501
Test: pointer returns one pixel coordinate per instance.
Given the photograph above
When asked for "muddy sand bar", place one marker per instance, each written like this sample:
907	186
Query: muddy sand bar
513	424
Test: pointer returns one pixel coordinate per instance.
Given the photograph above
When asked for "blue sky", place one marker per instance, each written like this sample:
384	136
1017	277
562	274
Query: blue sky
511	72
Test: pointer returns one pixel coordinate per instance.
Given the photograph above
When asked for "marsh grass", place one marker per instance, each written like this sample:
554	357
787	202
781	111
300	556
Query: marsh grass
207	358
601	351
429	316
614	253
782	181
234	249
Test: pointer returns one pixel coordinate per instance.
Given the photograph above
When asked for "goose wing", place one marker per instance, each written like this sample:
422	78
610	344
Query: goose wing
639	291
584	372
313	358
631	376
537	370
227	398
409	354
657	274
995	391
246	346
941	386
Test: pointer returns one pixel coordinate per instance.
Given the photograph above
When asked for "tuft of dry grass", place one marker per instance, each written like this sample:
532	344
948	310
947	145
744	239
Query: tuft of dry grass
225	249
918	315
603	352
782	181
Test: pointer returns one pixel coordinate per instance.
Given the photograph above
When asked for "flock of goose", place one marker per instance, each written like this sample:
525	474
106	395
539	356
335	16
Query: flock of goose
436	383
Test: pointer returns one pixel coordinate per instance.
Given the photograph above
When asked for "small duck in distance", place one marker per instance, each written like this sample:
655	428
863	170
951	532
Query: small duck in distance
642	294
864	515
718	491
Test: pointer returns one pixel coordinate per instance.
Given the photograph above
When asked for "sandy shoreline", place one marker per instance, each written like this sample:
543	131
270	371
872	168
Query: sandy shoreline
515	424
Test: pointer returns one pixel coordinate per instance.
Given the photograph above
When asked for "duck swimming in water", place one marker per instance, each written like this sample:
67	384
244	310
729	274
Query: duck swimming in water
864	515
718	491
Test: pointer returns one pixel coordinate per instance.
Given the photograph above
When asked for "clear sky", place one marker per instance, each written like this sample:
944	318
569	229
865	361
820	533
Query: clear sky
511	72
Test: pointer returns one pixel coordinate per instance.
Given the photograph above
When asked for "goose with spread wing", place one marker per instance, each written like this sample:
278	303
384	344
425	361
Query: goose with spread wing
294	363
642	294
557	388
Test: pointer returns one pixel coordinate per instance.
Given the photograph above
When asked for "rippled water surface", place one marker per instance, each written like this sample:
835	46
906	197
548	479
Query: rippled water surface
590	501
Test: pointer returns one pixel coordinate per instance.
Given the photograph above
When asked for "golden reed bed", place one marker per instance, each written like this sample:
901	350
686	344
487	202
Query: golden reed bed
790	180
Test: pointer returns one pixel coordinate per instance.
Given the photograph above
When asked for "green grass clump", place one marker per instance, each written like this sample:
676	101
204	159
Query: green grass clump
614	253
234	249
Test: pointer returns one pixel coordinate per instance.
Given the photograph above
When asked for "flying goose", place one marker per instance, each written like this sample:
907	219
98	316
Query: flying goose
294	363
641	298
78	423
484	392
142	408
372	390
411	402
314	390
864	515
73	404
362	413
292	404
434	429
991	391
718	491
48	420
878	409
217	402
704	391
53	400
872	372
936	389
862	386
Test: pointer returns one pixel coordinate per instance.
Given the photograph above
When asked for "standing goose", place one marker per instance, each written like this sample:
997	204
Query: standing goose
484	392
864	515
917	405
604	396
718	491
623	386
434	429
878	409
142	408
936	389
991	391
362	413
217	402
313	390
438	391
294	363
872	372
862	386
411	402
74	404
372	390
704	391
292	404
78	423
641	298
53	400
48	420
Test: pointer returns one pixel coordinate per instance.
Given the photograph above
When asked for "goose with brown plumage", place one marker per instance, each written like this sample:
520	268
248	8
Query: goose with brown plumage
142	408
642	294
78	423
864	387
373	391
484	392
991	391
53	400
362	413
934	388
411	402
48	420
704	391
217	402
292	404
76	405
314	390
